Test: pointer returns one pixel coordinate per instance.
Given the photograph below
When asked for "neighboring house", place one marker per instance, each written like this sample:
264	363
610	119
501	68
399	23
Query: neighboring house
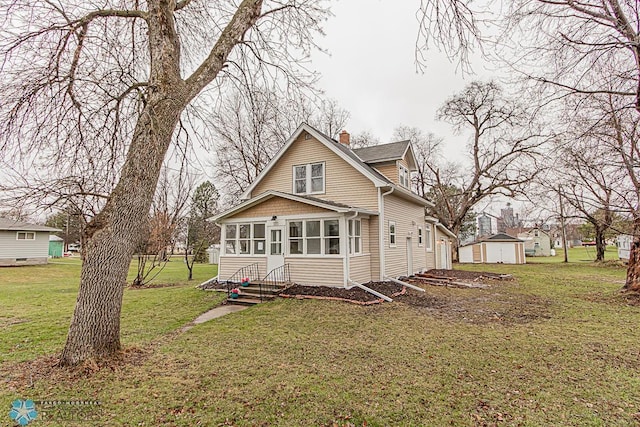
623	242
499	248
22	243
536	242
334	215
56	246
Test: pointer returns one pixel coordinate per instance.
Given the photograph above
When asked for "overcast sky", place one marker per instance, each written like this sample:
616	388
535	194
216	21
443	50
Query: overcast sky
371	71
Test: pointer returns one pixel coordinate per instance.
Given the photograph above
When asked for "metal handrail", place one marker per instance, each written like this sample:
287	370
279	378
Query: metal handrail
252	271
275	277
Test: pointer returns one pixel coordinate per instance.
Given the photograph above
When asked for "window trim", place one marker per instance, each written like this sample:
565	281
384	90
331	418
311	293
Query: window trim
351	227
428	235
322	237
26	234
308	178
403	172
252	239
393	234
420	236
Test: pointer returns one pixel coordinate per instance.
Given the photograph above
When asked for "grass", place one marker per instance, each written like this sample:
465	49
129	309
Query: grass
559	346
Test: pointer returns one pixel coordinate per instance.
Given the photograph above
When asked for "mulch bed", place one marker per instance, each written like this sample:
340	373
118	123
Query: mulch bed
354	295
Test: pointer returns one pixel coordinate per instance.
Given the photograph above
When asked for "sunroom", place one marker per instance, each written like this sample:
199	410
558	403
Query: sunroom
320	242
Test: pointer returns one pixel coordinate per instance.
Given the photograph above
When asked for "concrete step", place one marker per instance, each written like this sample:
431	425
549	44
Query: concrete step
241	300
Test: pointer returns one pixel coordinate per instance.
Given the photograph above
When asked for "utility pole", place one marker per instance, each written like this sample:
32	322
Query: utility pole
564	234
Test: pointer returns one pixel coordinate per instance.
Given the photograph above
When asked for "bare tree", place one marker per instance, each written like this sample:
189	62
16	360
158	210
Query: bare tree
254	124
426	146
502	152
364	139
113	83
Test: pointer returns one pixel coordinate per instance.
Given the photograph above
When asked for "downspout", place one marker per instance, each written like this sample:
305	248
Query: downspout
381	227
347	279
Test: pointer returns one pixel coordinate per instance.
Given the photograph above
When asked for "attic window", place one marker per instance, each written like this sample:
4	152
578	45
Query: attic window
308	179
404	176
25	235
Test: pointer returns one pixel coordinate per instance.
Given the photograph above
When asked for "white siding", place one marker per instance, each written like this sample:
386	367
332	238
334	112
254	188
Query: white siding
465	254
35	251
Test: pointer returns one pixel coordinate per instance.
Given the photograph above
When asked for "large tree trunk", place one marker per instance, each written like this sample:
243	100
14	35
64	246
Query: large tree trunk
633	269
601	245
111	238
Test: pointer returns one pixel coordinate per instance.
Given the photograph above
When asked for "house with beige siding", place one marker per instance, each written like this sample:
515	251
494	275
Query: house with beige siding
22	243
332	215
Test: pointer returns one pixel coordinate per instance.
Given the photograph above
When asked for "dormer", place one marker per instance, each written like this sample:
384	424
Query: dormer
395	161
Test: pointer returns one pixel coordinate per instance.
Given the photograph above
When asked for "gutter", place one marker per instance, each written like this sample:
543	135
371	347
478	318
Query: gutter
346	255
408	285
381	228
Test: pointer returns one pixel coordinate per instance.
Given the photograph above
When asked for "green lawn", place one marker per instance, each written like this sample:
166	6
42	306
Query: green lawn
559	346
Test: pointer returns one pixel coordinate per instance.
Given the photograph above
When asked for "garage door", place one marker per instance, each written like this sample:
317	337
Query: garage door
501	253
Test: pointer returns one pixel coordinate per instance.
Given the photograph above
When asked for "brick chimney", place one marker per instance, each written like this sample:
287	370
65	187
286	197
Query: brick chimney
344	138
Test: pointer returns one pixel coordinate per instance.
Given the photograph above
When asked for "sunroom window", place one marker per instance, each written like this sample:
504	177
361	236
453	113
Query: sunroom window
331	237
314	237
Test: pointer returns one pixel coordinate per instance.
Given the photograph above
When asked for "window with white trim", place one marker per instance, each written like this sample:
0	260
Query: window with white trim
309	178
392	233
314	237
427	235
25	235
404	176
259	242
420	237
355	238
230	232
245	239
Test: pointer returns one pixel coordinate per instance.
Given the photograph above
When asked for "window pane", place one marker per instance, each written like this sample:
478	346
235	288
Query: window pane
316	170
301	172
245	231
258	247
245	246
357	244
22	236
295	246
258	231
357	228
276	248
295	229
331	228
350	227
392	228
313	228
332	246
301	186
316	184
231	247
313	246
230	231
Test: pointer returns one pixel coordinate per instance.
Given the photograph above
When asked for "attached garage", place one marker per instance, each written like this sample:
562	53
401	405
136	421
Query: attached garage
497	249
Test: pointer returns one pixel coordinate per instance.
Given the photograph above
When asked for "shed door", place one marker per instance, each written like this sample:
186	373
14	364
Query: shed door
501	252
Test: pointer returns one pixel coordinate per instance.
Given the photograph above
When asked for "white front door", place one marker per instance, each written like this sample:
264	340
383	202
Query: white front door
275	248
409	257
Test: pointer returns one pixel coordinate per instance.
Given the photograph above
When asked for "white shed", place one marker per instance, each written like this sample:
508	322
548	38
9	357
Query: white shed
22	243
623	242
497	249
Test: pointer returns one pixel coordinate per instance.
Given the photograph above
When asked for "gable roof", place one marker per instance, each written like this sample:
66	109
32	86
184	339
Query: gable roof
378	179
500	237
313	201
383	152
12	225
